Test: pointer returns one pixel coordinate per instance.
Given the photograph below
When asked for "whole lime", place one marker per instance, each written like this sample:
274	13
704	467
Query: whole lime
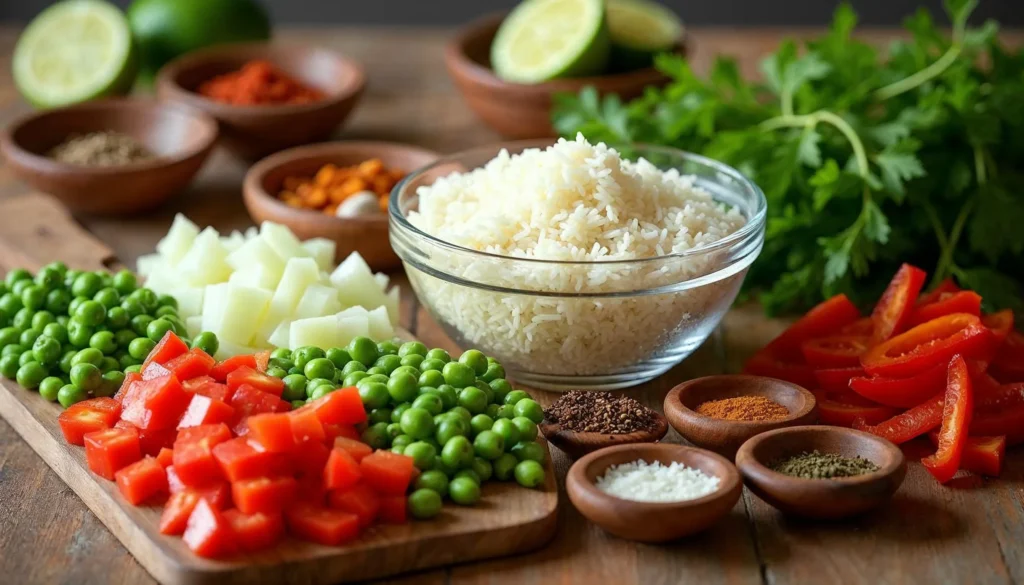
165	29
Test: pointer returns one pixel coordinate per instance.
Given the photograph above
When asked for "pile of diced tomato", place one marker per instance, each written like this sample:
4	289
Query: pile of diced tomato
921	364
233	467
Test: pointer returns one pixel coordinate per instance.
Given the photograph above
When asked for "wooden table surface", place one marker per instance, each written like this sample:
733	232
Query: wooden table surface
970	532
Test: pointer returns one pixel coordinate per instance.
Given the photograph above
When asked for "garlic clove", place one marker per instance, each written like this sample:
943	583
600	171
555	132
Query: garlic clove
359	204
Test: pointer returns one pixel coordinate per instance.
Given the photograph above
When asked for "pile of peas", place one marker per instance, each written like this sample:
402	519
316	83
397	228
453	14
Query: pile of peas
70	334
459	420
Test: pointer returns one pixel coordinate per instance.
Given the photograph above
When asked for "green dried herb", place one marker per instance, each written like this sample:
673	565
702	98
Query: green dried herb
817	465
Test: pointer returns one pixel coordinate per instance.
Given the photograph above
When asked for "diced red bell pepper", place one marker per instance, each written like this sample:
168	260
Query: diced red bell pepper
272	431
946	286
1008	365
260	381
109	450
193	454
248	401
263	494
902	392
310	459
907	425
864	326
262	360
835	413
824	319
958	405
208	534
989	398
306	427
155	370
151	441
322	525
155	404
359	499
129	379
203	410
341	407
142	481
182	501
387	472
221	370
174	483
763	363
392	509
965	301
342	470
1008	421
837	379
165	457
87	416
894	308
255	532
241	459
837	351
920	348
207	386
192	384
332	432
191	364
357	449
168	348
312	490
982	455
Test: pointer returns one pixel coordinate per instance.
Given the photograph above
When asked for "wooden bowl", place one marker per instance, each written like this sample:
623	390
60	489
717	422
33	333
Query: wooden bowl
366	235
577	444
652	521
821	498
517	110
255	131
180	139
725	436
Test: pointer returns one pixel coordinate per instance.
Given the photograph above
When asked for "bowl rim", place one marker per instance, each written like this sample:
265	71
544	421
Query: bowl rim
252	183
167	78
748	464
753	225
44	164
810	402
726	485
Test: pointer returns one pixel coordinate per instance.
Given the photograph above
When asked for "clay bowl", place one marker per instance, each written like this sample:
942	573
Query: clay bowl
255	131
652	521
180	139
518	110
366	235
726	436
821	498
577	444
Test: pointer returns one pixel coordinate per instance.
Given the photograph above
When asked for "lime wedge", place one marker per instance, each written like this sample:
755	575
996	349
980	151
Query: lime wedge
74	51
639	30
549	39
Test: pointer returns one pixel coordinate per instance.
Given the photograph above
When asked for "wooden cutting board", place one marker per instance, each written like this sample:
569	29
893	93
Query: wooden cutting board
35	230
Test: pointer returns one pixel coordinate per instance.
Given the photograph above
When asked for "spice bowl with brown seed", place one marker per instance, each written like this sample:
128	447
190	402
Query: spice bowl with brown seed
761	459
721	412
581	422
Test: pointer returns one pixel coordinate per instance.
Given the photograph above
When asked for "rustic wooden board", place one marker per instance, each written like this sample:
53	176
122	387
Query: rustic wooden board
509	519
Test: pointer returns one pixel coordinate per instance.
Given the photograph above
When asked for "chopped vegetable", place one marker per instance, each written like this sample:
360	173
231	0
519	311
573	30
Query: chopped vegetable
958	404
332	189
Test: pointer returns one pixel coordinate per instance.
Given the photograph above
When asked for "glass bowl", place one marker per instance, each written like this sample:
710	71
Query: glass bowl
563	325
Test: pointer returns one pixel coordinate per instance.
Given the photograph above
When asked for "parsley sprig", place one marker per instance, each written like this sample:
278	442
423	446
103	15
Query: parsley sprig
867	160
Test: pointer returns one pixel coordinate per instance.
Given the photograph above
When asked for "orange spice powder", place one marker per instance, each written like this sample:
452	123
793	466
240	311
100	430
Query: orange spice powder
258	82
746	408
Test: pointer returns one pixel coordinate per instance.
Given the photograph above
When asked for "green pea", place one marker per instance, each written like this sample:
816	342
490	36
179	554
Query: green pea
394	430
140	347
33	297
338	356
504	467
86	285
527	428
49	388
380	415
56	331
412	348
57	301
9	366
304	355
424	504
107	297
396	412
43	318
86	376
501	388
30	375
429	365
70	276
103	341
433	479
14	349
167	301
26	357
294	388
140	324
473	399
402	387
282	353
124	339
530	409
529	473
461	412
387	348
49	278
9	335
46	350
429	402
389	363
412	360
459	489
515	396
458	374
449	396
70	394
481	423
65	362
489	444
531	451
352	367
353	379
207	341
376	436
318	392
377	371
507	429
29	336
476	360
422	454
110	383
363	350
482	468
492	411
166	312
417	423
124	282
319	368
133	307
451	427
147	298
10	304
117	318
17	274
23	319
127	360
20	286
438	354
457	452
79	333
374	395
402	440
134	368
157	328
91	313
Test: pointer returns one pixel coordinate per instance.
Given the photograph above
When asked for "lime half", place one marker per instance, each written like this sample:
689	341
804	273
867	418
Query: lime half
74	51
639	30
548	39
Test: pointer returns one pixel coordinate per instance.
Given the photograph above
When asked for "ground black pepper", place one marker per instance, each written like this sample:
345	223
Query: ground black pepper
600	412
816	465
100	149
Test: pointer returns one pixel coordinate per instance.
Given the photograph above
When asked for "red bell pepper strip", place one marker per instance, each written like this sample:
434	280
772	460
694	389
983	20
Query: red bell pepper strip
907	425
837	351
946	286
864	326
965	301
902	392
1000	324
824	319
835	413
837	379
1008	365
893	310
763	363
1007	421
934	342
990	398
982	455
958	406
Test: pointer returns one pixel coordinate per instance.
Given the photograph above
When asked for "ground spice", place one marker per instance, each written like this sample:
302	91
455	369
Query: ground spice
99	149
600	412
816	465
259	83
748	408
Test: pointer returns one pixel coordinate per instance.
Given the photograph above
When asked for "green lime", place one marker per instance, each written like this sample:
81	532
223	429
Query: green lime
542	40
75	51
639	30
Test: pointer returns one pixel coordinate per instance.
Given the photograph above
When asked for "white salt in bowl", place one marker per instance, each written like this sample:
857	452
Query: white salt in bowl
652	521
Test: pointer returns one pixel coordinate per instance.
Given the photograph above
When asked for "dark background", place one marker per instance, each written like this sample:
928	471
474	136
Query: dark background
694	12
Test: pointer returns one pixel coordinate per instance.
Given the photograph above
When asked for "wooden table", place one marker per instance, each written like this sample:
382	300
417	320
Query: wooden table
966	533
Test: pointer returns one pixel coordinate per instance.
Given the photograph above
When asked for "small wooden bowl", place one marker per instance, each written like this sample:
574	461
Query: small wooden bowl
180	139
652	521
725	436
577	444
366	235
255	131
821	498
517	110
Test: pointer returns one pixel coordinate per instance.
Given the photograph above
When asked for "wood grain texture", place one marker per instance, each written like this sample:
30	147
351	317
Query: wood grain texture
926	534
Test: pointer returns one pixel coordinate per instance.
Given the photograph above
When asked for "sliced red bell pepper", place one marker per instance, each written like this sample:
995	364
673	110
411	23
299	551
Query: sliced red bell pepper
763	363
255	532
907	425
992	398
203	410
1000	324
341	407
168	348
837	351
87	416
191	364
837	379
934	342
982	455
267	495
824	319
958	406
262	360
893	310
392	509
359	499
838	414
208	534
1008	421
946	286
863	326
902	392
322	525
157	403
151	441
109	450
965	301
221	370
342	470
388	473
241	459
142	481
1008	365
260	381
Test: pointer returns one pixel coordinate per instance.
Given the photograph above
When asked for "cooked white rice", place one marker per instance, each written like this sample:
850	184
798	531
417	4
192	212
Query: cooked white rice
578	202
